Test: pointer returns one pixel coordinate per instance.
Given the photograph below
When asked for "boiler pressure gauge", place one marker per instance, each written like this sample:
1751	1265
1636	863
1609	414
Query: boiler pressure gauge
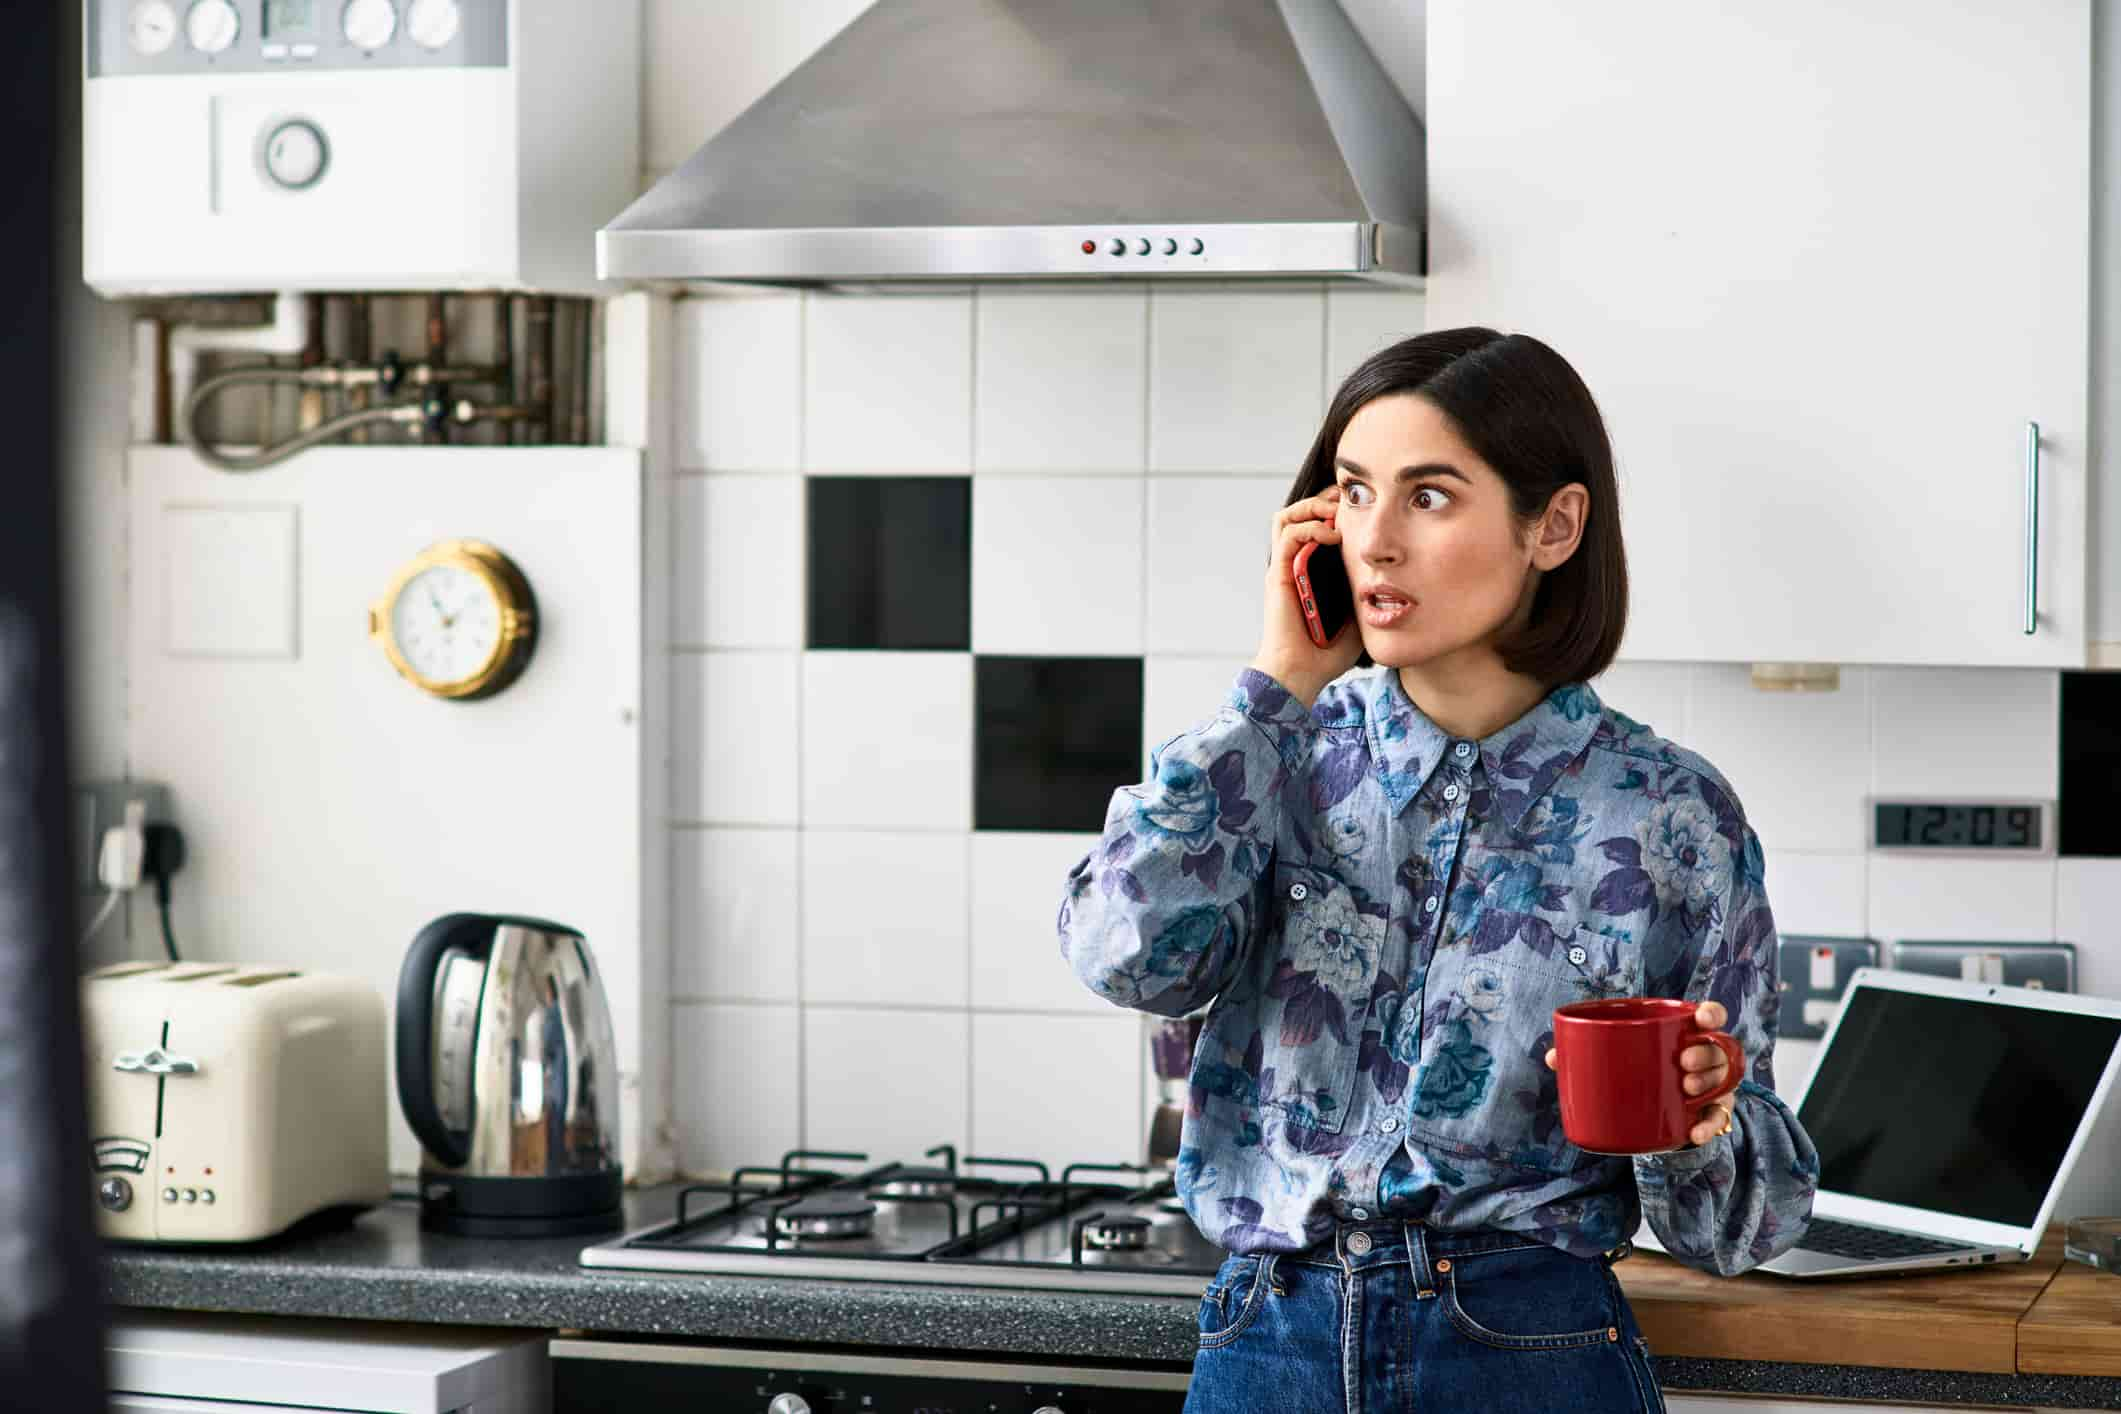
369	24
151	25
458	621
211	25
433	23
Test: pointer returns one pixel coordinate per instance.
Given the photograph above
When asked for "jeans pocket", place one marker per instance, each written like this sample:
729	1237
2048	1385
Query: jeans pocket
1231	1301
1646	1373
1528	1298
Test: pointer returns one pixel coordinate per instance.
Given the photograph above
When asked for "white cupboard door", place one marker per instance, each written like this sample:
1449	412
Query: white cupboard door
1821	265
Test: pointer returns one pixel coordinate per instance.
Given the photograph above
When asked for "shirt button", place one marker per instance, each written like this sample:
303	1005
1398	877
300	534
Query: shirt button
1389	1125
1363	1237
1428	905
1358	1242
1577	955
1299	892
1463	749
1450	792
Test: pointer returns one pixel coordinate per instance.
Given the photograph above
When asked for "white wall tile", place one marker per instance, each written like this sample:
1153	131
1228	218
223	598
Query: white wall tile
887	383
887	740
740	562
1654	694
1819	894
886	1083
1057	565
1800	761
1965	731
740	373
1359	322
735	920
1063	381
884	917
1209	538
734	735
1062	1089
2085	894
1179	694
1235	379
1017	882
1947	899
737	1090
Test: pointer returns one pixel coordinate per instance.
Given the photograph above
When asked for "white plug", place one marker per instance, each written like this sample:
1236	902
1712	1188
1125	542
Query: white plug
124	850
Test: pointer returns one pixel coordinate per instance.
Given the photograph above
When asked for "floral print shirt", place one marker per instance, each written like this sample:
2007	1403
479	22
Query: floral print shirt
1385	917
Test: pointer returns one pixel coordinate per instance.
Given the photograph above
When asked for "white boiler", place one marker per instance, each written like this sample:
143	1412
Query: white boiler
355	144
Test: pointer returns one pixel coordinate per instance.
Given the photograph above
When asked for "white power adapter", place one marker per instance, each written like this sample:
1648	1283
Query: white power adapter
124	850
119	861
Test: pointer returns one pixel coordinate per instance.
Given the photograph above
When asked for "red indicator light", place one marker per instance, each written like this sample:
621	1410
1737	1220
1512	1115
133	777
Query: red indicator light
1089	247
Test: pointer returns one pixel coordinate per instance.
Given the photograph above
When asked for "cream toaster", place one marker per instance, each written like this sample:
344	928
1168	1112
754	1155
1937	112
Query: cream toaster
227	1102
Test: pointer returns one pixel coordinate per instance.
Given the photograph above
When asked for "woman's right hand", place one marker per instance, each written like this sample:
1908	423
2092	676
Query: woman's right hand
1286	652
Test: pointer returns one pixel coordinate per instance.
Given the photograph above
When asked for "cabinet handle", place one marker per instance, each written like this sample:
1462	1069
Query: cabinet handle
2032	527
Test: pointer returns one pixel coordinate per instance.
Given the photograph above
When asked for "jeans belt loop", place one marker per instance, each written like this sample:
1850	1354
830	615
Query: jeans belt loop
1620	1253
1418	1263
1271	1274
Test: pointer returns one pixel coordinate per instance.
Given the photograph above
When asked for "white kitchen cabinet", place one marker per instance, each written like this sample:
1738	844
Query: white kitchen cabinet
1821	265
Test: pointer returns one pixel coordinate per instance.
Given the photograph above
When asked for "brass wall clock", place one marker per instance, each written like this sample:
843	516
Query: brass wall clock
458	622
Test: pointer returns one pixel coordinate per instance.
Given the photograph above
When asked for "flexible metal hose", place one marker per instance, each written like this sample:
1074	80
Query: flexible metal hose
279	451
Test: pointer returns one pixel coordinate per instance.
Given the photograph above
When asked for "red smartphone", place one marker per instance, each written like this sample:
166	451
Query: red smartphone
1322	591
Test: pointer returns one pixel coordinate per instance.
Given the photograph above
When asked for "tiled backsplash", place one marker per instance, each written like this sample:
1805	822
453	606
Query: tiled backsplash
870	838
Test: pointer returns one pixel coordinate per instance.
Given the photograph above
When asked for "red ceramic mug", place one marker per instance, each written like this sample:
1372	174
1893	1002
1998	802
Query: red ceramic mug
1618	1064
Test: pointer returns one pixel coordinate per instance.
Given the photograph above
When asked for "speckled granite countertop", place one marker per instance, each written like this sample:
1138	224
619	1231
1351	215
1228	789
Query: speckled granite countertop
383	1267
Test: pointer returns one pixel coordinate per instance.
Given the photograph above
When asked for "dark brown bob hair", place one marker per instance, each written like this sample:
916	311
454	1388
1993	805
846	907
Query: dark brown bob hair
1527	414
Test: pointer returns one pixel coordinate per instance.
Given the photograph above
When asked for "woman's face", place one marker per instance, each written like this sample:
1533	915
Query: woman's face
1438	560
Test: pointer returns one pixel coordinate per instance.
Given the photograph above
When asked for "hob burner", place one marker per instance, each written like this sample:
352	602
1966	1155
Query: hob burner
916	1183
826	1215
1116	1232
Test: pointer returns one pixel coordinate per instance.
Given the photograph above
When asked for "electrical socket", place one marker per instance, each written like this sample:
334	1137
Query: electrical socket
1813	975
2048	967
98	805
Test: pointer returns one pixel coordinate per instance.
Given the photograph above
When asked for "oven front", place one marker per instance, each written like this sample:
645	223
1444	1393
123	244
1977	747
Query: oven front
594	1375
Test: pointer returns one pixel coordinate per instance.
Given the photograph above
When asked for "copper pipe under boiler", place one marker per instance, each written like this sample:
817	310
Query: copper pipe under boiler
538	334
504	357
362	349
437	353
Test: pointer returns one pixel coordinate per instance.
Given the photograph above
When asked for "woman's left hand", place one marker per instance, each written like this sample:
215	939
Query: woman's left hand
1706	1068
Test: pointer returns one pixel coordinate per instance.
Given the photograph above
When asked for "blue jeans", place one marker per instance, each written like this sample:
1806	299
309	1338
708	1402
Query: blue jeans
1387	1317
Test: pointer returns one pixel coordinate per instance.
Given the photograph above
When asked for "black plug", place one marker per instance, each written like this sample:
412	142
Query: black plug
162	857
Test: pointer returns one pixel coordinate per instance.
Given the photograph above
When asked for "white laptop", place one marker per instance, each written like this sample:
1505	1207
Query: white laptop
1947	1116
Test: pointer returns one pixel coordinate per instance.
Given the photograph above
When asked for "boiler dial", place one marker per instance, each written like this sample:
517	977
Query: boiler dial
295	153
433	23
151	26
211	25
369	24
788	1404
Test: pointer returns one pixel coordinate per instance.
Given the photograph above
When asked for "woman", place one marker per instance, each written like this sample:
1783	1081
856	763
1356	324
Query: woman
1387	882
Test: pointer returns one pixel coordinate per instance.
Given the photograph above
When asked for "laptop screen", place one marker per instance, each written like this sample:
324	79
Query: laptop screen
1952	1104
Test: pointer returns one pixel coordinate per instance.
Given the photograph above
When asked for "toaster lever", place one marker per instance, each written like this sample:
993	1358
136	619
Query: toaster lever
155	1062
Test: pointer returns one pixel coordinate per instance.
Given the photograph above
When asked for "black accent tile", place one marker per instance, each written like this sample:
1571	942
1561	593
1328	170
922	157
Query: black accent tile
2089	804
1053	738
890	562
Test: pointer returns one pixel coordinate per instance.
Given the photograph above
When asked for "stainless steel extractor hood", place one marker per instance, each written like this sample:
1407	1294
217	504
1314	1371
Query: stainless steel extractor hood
954	140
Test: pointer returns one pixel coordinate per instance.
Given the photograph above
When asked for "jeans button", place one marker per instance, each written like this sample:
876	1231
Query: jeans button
1359	1242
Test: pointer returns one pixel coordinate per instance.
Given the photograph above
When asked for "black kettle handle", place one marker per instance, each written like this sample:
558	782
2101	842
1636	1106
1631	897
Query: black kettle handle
416	1004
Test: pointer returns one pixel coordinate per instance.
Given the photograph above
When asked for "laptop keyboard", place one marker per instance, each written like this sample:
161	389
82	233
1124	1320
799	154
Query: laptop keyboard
1841	1239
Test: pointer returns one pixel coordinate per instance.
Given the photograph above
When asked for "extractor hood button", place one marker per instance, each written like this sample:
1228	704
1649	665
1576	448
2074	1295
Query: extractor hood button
1197	247
1119	247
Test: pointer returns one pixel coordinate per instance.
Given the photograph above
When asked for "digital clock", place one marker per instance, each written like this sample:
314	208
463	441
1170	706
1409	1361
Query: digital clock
2023	827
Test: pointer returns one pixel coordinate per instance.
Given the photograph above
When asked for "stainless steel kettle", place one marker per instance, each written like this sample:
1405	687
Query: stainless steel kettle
508	1074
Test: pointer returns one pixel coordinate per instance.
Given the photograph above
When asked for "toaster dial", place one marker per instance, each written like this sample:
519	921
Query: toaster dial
115	1194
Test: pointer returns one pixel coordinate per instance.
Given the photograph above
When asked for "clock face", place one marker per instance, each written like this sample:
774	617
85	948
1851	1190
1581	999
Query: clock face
447	624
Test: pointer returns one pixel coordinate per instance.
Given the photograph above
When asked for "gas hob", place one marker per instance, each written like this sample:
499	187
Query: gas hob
978	1221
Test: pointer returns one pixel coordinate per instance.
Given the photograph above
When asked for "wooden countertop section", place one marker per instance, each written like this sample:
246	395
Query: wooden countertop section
2075	1326
1966	1318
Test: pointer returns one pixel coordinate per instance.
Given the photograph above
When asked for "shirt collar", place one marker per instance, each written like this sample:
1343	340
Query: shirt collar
1523	760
